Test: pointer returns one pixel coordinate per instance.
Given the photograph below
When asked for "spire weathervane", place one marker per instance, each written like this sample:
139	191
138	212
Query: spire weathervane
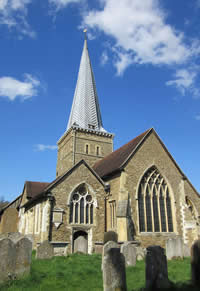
85	32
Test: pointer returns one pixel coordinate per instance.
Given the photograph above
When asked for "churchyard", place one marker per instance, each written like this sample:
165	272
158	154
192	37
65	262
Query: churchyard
83	272
119	268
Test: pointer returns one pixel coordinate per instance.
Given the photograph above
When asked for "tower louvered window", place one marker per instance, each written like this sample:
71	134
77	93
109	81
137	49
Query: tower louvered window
81	206
154	203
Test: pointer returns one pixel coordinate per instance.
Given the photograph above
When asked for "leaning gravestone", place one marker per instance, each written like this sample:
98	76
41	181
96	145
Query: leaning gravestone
113	265
156	268
45	250
174	248
7	259
129	251
23	256
81	245
195	263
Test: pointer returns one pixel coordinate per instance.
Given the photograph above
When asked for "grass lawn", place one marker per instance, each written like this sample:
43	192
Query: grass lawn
83	272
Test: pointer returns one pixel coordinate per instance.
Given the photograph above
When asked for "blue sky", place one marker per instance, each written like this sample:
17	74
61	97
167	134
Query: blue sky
145	56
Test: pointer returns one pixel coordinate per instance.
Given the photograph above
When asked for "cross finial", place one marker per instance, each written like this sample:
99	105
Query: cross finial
85	32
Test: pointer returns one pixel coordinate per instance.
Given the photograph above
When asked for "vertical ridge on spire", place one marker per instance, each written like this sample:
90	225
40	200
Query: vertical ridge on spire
85	111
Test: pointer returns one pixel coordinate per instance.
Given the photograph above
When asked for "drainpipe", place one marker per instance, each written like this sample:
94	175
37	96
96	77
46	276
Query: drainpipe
51	202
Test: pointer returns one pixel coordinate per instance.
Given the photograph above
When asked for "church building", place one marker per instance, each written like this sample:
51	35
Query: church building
138	190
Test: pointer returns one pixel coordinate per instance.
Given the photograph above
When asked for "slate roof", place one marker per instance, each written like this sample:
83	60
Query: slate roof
114	161
35	188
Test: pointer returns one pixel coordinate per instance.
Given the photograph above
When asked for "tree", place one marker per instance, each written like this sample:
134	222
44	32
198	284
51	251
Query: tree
3	202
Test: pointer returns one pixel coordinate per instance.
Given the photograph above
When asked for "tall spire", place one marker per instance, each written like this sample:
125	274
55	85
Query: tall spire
85	111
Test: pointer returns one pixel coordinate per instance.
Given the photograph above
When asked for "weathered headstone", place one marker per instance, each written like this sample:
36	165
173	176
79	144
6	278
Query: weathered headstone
186	251
129	251
23	256
109	245
174	248
114	274
156	268
110	236
81	245
195	263
140	254
14	236
7	259
45	250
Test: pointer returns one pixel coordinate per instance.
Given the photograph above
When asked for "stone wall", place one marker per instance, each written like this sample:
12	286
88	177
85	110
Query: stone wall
9	220
62	192
72	149
151	153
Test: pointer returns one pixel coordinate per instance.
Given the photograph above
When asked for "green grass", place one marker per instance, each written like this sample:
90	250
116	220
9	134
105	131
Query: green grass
83	272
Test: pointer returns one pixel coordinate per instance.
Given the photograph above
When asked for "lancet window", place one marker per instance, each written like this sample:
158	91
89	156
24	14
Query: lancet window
81	206
154	203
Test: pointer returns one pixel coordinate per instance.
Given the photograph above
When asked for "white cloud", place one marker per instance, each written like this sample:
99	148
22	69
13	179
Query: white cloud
12	88
13	14
140	32
104	58
185	81
42	147
197	117
59	4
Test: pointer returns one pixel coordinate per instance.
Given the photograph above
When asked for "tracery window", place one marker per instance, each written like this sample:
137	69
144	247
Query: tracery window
154	203
81	206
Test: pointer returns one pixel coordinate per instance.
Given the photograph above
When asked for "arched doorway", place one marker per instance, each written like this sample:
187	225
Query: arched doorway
80	242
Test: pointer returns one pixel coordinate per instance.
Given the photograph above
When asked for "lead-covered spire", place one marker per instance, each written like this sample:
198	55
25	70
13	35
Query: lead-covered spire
85	111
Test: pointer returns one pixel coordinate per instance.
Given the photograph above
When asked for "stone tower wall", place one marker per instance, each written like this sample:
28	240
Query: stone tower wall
72	149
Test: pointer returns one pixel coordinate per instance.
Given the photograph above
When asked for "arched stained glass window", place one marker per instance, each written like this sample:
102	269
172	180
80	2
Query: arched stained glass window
154	203
81	206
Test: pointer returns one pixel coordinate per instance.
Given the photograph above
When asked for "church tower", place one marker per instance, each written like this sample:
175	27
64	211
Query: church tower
85	138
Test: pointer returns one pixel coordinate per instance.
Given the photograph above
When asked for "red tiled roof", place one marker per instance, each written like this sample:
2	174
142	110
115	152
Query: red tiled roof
35	188
116	159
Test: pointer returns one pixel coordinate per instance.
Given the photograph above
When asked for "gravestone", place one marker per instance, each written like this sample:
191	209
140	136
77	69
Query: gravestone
156	268
110	236
186	251
195	263
113	265
45	250
129	251
174	248
109	245
14	236
23	256
140	254
81	245
7	259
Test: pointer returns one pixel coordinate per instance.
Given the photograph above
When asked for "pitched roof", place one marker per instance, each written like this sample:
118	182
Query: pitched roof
116	159
34	188
85	111
46	187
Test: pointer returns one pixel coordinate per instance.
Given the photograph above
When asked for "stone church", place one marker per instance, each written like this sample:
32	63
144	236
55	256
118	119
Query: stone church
138	190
